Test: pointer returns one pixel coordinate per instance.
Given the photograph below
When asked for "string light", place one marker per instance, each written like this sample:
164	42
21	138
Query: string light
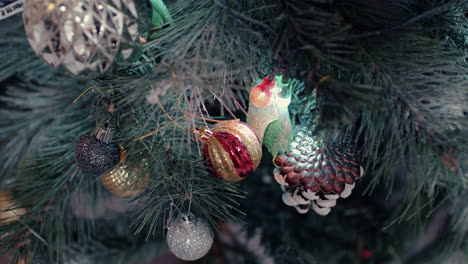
283	93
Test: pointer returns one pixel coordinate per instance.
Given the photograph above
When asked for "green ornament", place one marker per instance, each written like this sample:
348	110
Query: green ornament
278	134
161	14
272	123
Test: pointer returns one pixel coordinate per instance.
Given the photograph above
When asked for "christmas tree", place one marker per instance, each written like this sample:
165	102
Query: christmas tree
292	131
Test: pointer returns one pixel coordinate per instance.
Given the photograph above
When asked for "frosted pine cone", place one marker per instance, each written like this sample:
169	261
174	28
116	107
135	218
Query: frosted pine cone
313	174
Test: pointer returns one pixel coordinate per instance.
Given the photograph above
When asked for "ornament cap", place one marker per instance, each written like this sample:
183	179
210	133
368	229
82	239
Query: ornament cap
104	135
188	218
203	133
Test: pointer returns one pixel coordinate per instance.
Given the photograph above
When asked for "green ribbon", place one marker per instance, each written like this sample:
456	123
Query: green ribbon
161	14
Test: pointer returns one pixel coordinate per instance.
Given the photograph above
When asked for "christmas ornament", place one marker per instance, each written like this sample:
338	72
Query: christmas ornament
316	173
262	94
161	15
9	211
231	150
278	132
10	7
80	34
272	122
189	238
95	155
123	181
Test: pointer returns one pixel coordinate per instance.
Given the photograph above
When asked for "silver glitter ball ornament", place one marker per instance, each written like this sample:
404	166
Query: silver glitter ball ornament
189	237
80	34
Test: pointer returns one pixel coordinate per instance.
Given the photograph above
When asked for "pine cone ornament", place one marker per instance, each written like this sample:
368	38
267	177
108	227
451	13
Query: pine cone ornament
316	173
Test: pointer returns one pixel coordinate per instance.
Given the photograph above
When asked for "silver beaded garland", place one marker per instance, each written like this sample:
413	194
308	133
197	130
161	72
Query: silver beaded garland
189	237
80	34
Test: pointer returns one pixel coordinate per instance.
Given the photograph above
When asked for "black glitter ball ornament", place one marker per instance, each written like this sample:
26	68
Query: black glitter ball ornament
96	157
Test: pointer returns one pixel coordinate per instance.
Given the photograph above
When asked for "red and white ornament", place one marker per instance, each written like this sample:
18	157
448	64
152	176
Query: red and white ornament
262	94
316	175
231	150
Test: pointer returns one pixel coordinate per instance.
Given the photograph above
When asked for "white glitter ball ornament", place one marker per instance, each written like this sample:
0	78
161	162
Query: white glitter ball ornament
80	34
189	237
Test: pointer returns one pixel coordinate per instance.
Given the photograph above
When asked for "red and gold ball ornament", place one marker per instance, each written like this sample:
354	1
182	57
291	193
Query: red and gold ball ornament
262	94
231	150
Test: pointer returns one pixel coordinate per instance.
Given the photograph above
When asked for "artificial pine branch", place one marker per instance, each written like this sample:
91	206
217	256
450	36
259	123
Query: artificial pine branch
207	57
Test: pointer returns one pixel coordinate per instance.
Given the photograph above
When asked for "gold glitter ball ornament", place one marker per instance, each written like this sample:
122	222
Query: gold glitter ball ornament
9	211
189	238
80	34
124	181
231	150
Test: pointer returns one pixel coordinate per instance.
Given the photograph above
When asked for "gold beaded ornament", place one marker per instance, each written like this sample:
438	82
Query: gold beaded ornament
9	211
124	181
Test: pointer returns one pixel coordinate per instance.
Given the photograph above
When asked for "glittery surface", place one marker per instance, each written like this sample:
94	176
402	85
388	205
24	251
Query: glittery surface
220	161
80	34
232	150
271	122
316	173
189	238
125	182
96	157
246	134
9	211
278	133
259	118
237	153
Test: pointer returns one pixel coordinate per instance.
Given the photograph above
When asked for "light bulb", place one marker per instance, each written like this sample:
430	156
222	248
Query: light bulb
262	94
283	93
